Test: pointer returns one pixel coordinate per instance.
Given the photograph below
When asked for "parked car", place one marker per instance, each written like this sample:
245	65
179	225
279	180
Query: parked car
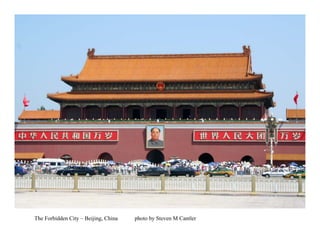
276	172
80	170
220	171
102	170
183	171
295	174
19	171
153	171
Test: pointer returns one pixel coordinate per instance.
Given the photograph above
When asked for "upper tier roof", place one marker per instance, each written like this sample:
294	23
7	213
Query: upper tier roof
177	67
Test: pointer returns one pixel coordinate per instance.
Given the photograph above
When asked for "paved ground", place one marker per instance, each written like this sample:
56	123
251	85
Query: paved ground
96	199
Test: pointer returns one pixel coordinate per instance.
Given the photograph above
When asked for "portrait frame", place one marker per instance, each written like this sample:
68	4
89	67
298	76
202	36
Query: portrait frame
150	144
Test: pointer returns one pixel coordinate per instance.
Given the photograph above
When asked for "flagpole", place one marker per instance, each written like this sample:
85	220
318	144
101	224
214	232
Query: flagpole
297	112
297	108
24	105
295	99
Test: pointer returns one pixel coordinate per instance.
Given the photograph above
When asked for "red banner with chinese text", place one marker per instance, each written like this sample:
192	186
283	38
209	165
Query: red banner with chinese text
246	135
66	135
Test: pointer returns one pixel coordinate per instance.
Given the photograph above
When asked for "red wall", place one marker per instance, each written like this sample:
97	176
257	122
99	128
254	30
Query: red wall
178	142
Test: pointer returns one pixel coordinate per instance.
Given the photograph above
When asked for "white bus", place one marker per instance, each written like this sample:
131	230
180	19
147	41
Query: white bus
50	165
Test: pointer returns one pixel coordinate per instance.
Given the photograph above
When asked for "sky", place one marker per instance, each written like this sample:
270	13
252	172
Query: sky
50	46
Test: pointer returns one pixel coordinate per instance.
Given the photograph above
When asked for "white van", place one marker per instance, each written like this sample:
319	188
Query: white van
50	165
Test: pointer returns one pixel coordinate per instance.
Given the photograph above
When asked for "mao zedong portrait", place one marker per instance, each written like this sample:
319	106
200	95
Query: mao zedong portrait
155	140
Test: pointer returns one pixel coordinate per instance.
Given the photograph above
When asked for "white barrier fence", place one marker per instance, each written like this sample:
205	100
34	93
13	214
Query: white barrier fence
120	183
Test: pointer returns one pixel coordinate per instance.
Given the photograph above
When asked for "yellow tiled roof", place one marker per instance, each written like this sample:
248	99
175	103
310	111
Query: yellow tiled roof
143	96
177	67
28	156
295	113
40	115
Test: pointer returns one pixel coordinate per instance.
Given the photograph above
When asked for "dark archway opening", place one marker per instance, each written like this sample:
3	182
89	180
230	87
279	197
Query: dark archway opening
155	156
105	156
66	157
206	158
247	158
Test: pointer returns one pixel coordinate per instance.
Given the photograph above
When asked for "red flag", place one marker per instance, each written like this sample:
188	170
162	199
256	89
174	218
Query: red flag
295	98
25	101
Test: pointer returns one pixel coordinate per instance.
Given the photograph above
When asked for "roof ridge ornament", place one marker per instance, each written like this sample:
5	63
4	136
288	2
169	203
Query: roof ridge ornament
247	52
246	49
90	53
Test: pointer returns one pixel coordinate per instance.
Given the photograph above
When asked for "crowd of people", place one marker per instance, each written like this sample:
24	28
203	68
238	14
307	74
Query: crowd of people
132	167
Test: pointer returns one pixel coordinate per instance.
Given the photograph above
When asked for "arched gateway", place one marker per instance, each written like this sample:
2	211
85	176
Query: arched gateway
206	158
155	156
105	156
